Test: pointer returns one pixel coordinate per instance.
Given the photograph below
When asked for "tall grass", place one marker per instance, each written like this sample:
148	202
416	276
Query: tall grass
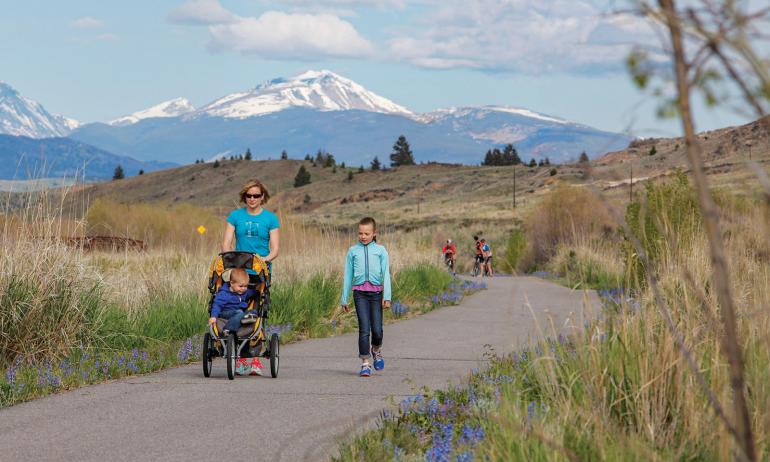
620	389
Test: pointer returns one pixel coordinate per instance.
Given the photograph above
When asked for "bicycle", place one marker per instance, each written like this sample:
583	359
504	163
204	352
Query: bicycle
449	262
478	261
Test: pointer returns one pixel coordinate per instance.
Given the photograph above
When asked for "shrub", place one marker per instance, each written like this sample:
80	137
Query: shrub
567	213
668	216
514	250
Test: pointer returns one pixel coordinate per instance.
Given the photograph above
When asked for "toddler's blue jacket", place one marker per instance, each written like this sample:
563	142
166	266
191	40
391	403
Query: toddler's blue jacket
226	300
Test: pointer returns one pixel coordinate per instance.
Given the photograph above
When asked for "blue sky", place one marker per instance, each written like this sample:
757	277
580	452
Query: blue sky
96	60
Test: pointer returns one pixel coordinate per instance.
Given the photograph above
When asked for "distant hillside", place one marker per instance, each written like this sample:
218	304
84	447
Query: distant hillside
24	158
407	196
725	150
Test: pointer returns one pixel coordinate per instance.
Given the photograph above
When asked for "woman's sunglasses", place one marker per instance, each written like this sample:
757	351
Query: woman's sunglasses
253	196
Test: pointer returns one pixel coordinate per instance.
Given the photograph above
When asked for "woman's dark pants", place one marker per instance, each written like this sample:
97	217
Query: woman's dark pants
369	312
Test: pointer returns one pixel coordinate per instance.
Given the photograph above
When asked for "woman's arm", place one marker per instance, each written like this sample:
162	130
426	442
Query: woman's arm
229	239
275	245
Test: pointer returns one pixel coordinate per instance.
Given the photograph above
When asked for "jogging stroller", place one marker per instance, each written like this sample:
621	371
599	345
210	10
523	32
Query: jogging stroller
251	337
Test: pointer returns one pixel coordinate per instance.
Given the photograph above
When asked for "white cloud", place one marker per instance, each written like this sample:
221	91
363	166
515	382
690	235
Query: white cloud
285	36
201	12
87	22
107	37
521	36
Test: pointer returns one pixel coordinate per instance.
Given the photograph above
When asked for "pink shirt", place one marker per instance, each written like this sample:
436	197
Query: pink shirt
368	287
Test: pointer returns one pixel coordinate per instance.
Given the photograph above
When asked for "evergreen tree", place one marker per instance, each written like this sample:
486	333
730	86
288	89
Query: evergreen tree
402	153
376	163
583	158
118	174
247	156
302	178
343	165
361	169
284	155
216	163
510	155
307	157
196	162
334	169
541	163
532	163
141	171
329	160
547	161
319	157
350	175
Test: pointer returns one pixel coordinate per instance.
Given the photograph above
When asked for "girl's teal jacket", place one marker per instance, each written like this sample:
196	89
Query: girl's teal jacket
367	263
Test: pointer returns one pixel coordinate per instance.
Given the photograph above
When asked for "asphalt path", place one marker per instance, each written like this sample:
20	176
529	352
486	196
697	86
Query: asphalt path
316	401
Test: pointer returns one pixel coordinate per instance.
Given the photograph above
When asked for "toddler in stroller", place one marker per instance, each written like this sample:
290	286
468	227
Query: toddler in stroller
237	310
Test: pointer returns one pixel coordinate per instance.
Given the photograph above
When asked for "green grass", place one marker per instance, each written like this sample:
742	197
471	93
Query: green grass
167	331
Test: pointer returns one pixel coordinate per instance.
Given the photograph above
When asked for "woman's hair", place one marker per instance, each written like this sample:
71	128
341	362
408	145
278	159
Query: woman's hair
368	221
252	183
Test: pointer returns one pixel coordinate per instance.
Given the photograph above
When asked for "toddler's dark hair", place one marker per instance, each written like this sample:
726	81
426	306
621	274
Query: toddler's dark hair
239	275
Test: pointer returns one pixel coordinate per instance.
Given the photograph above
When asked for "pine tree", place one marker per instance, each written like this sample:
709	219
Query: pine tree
343	165
247	156
302	178
510	155
532	163
284	155
141	171
216	163
541	163
118	174
350	175
583	158
361	169
376	163
547	161
307	157
319	157
402	153
329	160
334	169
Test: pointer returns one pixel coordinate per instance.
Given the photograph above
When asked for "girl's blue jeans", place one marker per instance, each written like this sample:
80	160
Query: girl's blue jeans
369	312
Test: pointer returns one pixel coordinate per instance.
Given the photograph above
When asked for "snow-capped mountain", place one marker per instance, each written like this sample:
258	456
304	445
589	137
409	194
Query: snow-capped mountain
21	116
173	108
320	109
321	90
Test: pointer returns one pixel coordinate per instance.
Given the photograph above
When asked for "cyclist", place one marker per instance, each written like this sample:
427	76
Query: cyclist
478	259
487	254
449	251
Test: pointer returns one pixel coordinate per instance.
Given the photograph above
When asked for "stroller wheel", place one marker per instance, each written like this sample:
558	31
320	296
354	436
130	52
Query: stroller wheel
207	357
230	355
274	355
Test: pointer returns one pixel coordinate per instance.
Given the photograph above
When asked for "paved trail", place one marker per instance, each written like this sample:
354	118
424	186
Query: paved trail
177	415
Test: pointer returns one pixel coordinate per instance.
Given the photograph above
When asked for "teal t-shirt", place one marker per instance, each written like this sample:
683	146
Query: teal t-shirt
252	232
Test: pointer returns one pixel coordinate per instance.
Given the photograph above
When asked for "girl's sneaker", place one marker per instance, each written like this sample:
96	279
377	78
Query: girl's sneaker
366	370
379	363
256	367
243	367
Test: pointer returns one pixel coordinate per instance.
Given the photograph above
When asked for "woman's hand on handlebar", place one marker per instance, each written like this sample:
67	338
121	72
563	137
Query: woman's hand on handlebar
212	321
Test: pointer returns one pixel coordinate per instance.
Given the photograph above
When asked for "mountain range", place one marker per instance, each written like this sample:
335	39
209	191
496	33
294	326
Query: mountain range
311	111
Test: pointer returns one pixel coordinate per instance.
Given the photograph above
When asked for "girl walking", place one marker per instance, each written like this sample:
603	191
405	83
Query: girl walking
367	272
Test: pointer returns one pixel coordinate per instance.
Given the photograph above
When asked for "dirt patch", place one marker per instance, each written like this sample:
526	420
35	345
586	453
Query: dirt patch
372	196
109	243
